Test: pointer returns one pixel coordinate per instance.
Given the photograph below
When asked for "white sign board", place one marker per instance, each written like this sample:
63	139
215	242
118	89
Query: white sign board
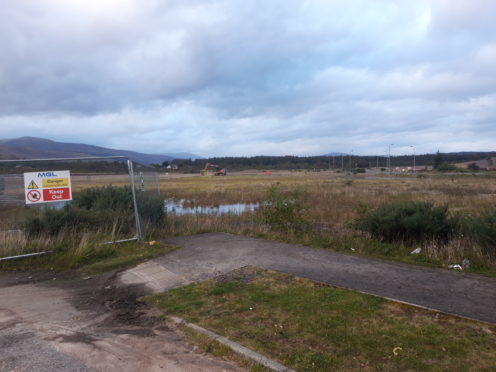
47	187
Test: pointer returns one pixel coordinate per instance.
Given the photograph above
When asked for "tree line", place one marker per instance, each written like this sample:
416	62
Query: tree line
328	162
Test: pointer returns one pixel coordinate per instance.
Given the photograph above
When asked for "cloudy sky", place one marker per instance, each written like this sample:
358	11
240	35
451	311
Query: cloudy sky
251	77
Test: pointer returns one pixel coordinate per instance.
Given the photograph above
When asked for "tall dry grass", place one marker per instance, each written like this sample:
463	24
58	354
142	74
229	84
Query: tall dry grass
332	201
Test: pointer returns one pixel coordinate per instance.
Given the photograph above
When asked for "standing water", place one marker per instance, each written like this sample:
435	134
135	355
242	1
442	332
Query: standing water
178	208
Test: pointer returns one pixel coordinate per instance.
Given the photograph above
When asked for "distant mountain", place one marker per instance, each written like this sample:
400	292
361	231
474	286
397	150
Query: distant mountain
335	154
33	147
185	155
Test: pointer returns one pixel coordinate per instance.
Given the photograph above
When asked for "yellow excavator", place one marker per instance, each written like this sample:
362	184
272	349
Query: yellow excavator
218	170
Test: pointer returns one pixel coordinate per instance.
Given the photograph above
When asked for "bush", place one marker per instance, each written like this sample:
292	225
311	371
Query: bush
51	222
473	166
151	209
482	228
446	167
408	222
98	208
284	212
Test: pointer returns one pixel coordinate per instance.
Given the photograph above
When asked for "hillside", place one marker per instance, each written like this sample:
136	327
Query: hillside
32	147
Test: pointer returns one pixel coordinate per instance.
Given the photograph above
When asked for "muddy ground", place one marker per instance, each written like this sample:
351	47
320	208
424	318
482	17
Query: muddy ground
53	323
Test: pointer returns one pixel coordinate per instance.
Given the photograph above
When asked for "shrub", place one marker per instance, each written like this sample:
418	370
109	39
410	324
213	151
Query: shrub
473	166
105	198
408	222
48	221
284	212
446	167
482	228
151	209
98	208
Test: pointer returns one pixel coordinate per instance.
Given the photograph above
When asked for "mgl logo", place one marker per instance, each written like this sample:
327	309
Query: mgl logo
46	174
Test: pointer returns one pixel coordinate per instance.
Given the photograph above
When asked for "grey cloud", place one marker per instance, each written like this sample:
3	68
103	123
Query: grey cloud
310	76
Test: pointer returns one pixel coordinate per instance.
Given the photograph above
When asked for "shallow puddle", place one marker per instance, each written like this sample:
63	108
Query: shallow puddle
184	207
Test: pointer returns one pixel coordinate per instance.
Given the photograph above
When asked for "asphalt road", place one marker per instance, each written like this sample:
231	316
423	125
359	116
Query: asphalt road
203	256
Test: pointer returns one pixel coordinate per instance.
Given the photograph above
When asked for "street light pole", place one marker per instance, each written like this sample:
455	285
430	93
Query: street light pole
389	157
413	147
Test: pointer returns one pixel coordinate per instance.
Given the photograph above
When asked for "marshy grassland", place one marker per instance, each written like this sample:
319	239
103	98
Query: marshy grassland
332	202
321	210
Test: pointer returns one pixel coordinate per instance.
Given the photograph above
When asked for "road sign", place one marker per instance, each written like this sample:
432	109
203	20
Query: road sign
142	180
47	187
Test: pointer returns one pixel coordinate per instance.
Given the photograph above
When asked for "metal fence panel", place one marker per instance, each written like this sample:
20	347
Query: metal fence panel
13	209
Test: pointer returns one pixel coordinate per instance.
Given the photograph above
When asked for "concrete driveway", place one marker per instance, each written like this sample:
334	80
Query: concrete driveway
65	325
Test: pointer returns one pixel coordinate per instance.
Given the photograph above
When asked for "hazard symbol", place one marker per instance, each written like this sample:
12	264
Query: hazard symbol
33	185
33	196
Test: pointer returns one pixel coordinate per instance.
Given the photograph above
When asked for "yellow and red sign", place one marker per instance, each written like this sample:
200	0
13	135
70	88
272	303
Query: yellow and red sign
47	187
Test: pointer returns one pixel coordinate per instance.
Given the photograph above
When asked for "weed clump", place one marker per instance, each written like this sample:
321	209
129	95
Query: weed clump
408	222
284	212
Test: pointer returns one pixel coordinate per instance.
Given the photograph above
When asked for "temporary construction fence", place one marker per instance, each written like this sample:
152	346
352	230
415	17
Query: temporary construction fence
17	199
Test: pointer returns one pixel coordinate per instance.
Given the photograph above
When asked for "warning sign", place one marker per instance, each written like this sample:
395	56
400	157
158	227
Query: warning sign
47	187
33	186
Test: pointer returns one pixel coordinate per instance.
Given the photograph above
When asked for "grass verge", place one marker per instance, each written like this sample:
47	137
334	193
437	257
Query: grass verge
91	258
312	327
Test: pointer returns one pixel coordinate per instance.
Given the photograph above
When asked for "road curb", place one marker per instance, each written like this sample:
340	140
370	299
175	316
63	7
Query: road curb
234	346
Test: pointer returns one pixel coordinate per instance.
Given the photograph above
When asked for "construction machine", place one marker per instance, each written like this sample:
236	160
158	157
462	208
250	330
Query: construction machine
217	170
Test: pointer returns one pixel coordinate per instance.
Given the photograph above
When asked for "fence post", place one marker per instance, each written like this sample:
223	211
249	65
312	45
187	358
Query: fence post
135	203
157	181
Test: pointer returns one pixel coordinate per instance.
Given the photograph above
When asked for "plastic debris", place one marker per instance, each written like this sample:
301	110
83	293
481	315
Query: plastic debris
153	242
396	350
353	249
455	267
466	263
416	251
